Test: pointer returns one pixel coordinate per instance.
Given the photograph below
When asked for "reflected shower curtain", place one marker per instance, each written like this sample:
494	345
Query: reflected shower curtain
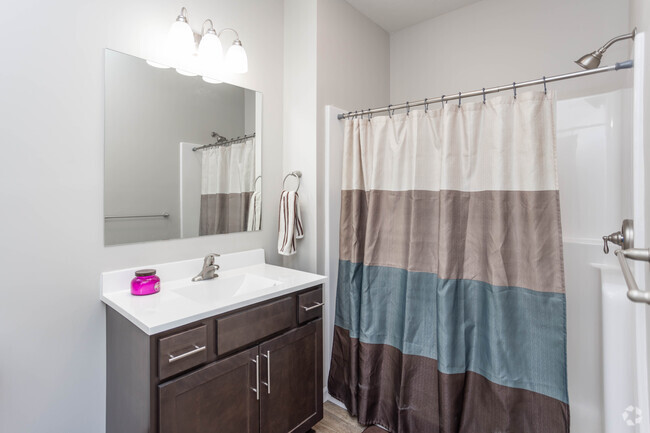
227	184
450	313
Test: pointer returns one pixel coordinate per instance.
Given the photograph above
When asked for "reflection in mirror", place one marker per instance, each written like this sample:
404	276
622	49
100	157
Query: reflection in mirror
182	156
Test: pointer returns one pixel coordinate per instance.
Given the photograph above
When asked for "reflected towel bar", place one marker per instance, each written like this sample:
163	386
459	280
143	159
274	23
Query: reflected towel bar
162	215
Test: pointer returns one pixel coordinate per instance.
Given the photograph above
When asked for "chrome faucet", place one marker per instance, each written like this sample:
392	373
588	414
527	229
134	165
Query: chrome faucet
209	268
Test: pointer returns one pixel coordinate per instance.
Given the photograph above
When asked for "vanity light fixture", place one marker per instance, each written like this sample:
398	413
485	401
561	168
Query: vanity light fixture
157	65
210	51
236	58
208	58
181	37
211	80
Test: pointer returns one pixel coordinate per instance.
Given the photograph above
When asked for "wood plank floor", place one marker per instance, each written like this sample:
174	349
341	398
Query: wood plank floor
337	420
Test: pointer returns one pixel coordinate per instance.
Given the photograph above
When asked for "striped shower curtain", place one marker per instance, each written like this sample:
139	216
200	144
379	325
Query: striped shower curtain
227	185
450	313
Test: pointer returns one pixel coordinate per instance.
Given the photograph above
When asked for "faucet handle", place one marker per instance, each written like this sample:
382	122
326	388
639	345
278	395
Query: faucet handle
209	259
615	238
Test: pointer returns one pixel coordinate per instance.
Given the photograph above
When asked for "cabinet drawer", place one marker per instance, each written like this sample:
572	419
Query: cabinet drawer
310	305
251	325
182	351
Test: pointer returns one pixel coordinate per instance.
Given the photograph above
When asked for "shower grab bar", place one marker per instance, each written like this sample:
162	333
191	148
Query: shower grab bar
625	239
112	217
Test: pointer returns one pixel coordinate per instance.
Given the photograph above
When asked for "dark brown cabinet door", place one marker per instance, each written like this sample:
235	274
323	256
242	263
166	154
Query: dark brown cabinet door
292	372
218	398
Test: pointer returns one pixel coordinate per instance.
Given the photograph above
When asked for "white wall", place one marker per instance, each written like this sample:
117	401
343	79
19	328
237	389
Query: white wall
52	327
299	147
640	17
496	42
353	67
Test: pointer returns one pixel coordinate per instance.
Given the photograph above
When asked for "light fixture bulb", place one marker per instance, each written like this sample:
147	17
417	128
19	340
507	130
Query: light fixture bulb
210	53
181	38
157	65
189	66
236	59
211	80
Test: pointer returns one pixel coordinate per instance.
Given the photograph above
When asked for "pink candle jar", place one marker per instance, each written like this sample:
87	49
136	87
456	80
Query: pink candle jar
145	282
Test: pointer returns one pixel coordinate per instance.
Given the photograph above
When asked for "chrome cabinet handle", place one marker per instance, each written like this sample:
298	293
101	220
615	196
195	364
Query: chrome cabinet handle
268	371
256	390
196	349
313	307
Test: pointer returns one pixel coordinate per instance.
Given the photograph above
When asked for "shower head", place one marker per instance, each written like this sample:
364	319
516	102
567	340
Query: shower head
219	137
592	60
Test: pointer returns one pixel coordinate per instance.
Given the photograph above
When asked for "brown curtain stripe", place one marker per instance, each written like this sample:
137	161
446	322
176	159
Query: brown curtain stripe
407	393
479	237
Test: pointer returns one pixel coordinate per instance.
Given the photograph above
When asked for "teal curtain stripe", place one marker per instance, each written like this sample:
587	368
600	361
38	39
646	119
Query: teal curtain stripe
512	336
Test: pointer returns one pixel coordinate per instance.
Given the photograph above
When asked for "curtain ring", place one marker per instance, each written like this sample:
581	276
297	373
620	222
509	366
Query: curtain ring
389	113
426	105
459	99
484	95
442	101
349	114
514	88
408	108
369	115
544	78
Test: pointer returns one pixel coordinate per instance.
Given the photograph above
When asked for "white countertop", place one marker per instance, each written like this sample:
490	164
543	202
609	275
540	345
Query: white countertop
170	308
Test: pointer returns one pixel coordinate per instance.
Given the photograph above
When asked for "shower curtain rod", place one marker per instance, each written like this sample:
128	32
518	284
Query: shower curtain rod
225	142
408	105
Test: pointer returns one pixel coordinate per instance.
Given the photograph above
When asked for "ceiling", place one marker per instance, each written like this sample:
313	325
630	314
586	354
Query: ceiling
394	15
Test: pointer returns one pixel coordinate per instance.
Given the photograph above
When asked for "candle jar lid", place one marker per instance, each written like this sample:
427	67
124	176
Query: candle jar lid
145	272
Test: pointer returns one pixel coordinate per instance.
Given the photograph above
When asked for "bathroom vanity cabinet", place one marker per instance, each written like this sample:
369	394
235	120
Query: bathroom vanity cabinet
255	369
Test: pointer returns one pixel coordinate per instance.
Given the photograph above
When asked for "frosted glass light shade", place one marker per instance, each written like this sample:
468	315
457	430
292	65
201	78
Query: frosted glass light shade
157	65
188	65
210	53
236	59
180	39
211	80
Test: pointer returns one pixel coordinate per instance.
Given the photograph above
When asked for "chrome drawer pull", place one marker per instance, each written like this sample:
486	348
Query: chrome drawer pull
313	307
196	349
256	390
268	371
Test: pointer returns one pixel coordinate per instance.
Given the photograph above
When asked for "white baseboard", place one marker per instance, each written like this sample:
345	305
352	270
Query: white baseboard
328	397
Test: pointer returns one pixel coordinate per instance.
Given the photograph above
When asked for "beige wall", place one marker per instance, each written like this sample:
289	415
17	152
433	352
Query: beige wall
52	368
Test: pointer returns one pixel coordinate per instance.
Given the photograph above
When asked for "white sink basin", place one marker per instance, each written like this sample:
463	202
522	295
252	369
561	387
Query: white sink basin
223	288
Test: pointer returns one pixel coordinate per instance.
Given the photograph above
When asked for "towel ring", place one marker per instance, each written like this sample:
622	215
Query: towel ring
297	174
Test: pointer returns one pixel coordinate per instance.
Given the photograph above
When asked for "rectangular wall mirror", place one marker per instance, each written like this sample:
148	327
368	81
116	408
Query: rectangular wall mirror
182	156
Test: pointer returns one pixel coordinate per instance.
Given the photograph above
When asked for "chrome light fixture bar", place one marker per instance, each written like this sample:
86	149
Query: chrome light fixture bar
195	53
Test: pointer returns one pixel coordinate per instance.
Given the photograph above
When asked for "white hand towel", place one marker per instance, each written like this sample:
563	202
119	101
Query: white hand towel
255	212
290	224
